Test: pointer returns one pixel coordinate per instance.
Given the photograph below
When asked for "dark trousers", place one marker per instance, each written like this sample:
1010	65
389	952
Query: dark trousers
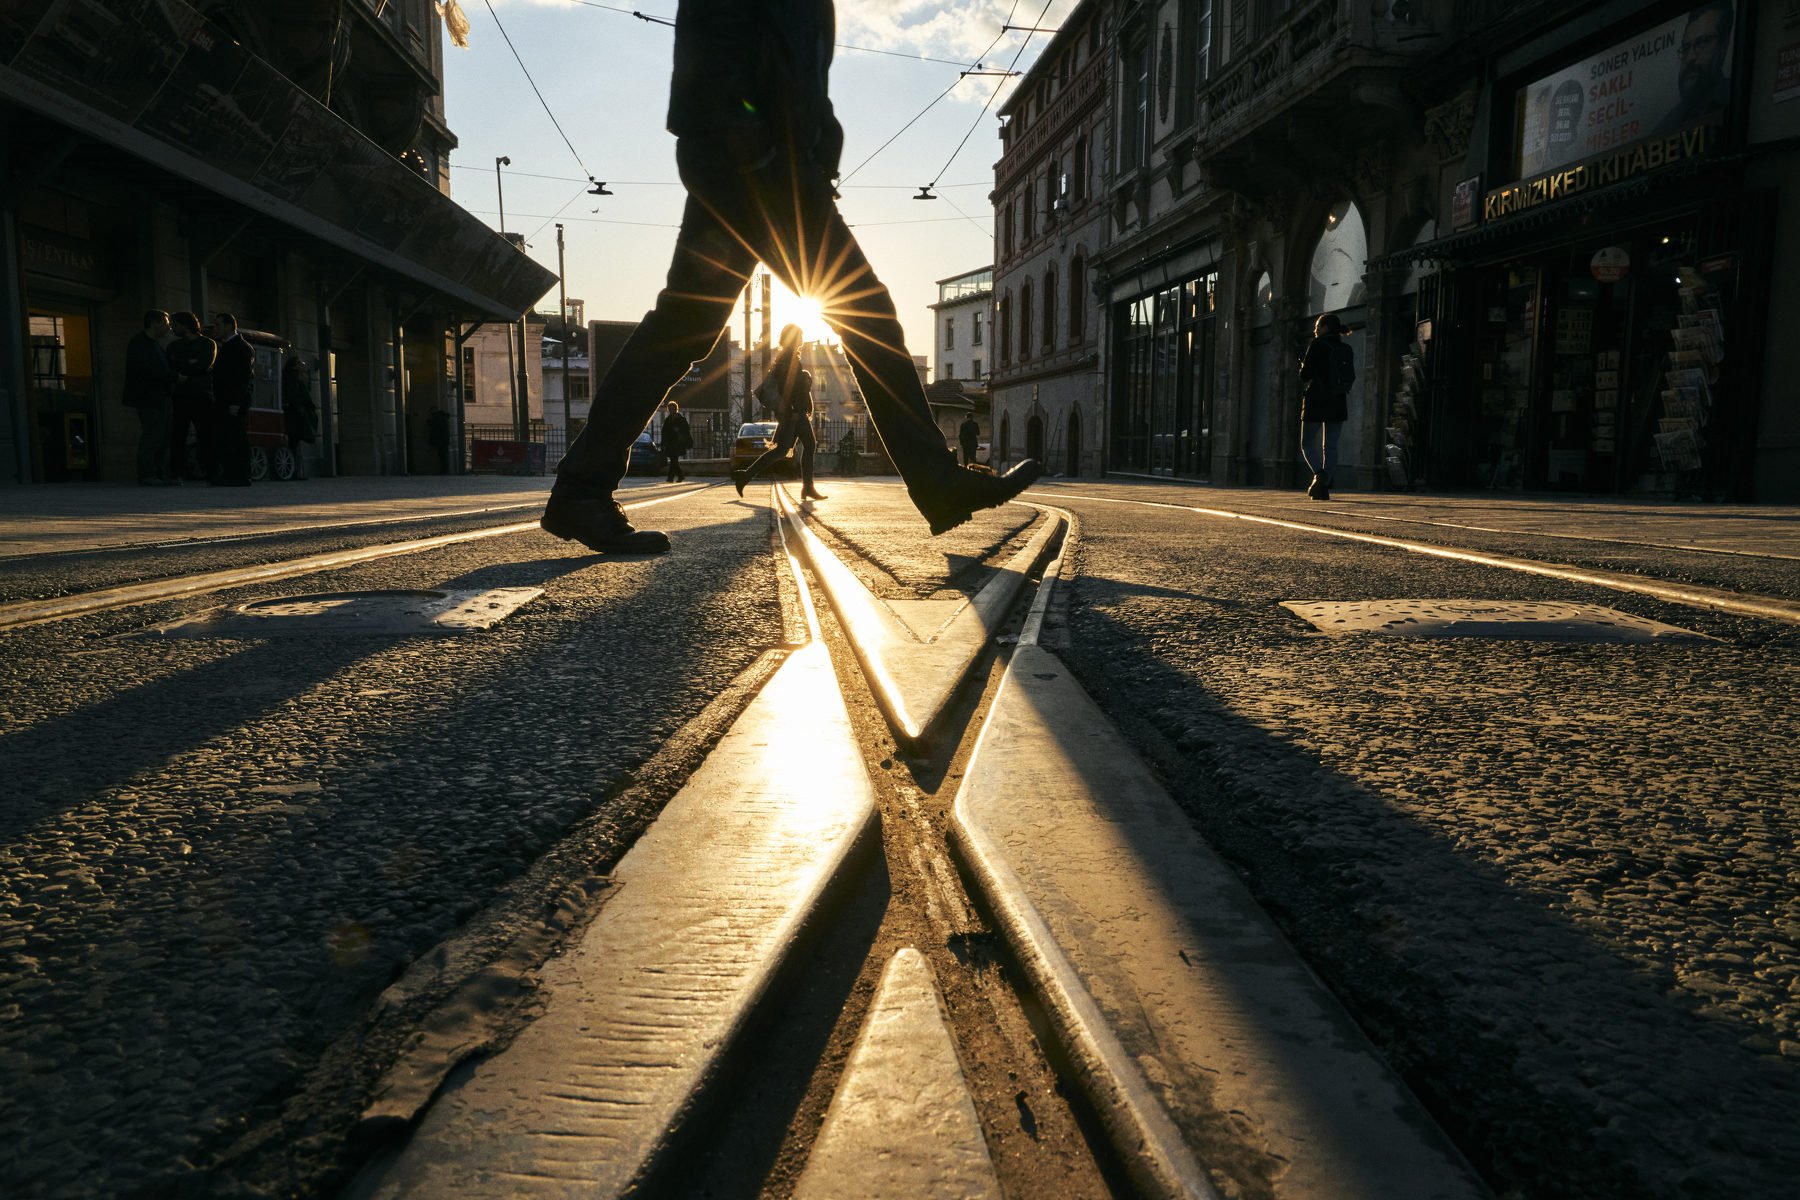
969	453
153	442
731	222
791	430
676	474
192	412
232	446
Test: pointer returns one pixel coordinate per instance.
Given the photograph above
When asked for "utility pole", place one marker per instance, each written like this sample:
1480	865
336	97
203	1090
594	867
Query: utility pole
765	323
512	379
562	294
749	401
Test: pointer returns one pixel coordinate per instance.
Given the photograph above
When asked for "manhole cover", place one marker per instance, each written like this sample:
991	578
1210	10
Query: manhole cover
1535	620
408	612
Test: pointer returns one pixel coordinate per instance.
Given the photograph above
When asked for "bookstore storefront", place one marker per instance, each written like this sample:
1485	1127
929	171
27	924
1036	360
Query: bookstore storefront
1604	306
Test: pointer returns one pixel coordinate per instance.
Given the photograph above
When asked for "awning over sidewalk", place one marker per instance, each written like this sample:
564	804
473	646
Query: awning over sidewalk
159	82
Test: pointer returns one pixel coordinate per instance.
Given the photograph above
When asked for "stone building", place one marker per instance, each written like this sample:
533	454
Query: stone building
1542	225
1050	225
285	162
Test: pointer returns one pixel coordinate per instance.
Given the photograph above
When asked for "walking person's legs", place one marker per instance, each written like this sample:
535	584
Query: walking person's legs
795	228
708	270
785	435
809	444
153	443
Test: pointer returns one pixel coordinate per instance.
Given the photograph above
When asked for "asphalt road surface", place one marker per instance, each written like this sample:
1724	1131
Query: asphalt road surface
1553	881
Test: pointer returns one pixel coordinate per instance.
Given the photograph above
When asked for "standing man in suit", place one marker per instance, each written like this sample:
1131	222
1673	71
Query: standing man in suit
969	434
191	357
234	378
149	386
757	147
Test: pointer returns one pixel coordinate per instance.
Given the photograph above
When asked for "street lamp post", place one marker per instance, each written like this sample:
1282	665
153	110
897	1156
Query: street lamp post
562	293
512	379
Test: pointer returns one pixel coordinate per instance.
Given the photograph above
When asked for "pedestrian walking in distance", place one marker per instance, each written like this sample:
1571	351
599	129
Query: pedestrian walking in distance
234	381
677	440
794	407
969	434
149	388
757	148
191	357
299	411
1327	374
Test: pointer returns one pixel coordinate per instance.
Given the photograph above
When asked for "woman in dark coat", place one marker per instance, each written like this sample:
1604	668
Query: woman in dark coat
1327	374
795	412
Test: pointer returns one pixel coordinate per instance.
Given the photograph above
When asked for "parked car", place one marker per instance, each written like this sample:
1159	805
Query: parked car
645	458
752	439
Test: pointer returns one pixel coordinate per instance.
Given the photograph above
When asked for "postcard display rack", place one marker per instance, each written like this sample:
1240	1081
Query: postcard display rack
1691	371
1403	418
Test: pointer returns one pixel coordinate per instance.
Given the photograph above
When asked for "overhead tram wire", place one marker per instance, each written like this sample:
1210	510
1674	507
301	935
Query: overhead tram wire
597	188
925	191
632	12
890	187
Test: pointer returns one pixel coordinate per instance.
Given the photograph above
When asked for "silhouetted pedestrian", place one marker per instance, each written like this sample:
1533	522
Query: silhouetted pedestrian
149	388
234	383
757	148
969	433
438	429
677	440
299	411
190	357
1327	374
794	410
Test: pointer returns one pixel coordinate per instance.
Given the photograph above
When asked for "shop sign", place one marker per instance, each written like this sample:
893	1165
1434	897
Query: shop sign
1610	264
1661	80
55	256
1787	72
1614	168
1462	203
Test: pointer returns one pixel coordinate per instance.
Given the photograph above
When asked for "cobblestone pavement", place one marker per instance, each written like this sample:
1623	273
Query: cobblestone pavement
217	854
1555	881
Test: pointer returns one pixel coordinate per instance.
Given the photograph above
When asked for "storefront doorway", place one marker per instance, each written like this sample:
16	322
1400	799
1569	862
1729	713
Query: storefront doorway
60	377
1162	423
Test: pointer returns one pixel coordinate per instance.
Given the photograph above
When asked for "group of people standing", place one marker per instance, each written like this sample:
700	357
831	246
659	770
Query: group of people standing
181	380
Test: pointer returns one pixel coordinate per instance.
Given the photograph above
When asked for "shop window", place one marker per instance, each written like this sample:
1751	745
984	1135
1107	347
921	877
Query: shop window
1161	422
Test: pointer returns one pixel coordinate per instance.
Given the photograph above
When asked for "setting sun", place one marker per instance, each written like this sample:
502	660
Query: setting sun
804	311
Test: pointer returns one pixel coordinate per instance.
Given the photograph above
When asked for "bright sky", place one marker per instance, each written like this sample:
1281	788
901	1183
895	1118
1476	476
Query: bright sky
605	75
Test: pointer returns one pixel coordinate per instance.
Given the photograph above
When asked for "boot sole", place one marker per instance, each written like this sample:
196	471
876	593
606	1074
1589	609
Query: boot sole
638	541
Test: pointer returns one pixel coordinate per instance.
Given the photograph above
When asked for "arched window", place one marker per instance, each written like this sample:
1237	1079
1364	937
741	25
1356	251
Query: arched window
1028	219
1049	310
1006	239
1024	321
1335	281
1006	328
1077	298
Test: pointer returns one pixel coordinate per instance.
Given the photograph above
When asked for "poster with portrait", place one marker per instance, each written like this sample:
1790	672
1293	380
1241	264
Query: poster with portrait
1669	77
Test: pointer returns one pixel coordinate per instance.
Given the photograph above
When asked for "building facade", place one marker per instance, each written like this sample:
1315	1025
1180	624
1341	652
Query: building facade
1046	390
286	163
1543	226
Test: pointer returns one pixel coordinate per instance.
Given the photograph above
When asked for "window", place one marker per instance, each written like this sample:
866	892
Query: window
1134	134
578	387
1203	22
1077	298
949	333
1006	329
976	339
1049	310
975	369
949	371
1024	322
1007	241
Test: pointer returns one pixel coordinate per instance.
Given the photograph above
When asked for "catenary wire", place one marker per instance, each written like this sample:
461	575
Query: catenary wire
535	91
993	96
654	20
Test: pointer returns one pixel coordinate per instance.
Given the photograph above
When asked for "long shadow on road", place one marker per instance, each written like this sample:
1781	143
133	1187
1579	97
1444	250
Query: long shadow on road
1560	1068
